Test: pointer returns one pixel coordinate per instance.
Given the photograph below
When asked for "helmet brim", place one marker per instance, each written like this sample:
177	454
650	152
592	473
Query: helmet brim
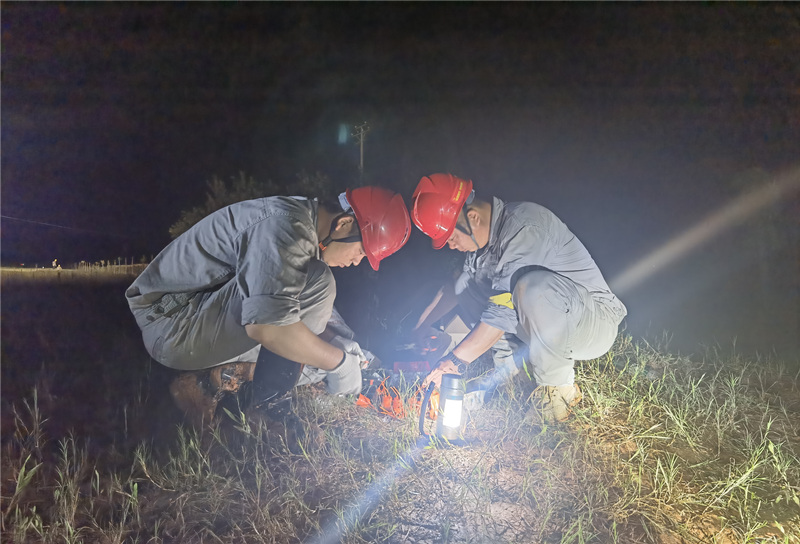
440	242
373	262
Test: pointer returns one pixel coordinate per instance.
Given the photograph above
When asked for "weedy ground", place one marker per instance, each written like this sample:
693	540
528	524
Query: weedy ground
663	449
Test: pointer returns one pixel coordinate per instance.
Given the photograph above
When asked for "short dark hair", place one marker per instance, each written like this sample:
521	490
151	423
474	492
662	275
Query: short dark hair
330	203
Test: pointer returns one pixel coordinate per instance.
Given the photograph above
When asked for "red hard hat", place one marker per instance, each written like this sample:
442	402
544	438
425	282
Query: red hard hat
438	200
383	220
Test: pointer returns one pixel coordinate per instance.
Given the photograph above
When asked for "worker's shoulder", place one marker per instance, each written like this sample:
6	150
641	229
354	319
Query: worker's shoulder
528	212
271	206
274	204
239	217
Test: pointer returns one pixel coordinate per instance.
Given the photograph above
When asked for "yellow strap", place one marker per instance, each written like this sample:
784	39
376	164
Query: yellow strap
503	299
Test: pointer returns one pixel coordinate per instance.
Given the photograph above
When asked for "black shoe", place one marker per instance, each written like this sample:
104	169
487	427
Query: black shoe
274	376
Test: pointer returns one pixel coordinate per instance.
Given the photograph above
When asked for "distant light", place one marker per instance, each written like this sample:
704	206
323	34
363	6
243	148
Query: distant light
344	134
730	215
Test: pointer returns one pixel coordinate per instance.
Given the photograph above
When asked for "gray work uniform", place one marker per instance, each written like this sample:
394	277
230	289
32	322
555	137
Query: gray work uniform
256	262
561	306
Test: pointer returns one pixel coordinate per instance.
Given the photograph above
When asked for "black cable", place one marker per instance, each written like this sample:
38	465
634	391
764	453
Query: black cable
65	227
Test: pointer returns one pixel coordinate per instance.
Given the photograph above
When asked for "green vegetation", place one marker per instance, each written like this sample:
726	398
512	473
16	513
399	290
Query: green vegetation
662	449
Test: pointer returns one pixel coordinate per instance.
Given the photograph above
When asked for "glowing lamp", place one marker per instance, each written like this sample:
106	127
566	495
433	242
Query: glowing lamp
451	407
450	418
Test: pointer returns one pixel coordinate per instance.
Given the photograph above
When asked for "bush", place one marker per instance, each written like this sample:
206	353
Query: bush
243	187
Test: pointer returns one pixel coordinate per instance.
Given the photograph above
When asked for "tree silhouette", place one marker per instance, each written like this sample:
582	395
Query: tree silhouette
220	194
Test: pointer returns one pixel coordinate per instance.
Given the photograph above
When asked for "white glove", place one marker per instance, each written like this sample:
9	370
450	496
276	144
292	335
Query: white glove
350	346
346	378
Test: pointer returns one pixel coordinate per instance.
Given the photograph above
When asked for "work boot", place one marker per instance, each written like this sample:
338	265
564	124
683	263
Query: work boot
552	403
273	376
197	393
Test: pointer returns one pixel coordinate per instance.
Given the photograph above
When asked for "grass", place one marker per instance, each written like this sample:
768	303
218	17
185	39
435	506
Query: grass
111	273
663	449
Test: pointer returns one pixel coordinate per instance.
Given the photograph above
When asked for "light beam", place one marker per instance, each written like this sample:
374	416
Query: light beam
335	530
730	215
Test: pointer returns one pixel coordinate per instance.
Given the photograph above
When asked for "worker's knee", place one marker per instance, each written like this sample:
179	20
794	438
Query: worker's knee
549	307
541	289
316	299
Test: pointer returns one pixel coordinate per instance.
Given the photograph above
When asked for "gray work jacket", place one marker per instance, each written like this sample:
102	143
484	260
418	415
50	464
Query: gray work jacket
264	245
524	234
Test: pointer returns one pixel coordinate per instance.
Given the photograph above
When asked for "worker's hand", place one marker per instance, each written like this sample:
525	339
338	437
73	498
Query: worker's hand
446	366
419	337
429	342
346	378
350	346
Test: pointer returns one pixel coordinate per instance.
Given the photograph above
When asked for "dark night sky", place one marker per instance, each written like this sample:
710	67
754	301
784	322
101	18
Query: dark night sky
632	122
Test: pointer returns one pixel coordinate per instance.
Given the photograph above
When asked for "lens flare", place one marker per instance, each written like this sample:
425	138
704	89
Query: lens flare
334	531
730	215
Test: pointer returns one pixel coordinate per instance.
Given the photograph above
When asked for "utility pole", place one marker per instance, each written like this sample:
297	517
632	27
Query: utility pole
360	133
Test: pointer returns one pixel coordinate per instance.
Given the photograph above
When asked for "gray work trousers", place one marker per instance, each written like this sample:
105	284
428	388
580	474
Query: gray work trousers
559	322
202	330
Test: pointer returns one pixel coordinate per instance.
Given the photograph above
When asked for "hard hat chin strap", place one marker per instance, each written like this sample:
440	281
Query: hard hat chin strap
323	245
467	230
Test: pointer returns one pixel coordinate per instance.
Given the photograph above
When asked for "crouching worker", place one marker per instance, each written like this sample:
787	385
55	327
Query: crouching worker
246	293
529	289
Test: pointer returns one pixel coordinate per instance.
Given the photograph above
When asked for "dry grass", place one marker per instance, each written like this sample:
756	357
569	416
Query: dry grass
663	449
111	273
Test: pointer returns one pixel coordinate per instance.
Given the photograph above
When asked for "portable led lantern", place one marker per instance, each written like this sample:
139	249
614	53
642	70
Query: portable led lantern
451	403
450	418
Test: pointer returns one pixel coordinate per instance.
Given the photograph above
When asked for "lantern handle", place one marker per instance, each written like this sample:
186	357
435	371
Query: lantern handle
423	409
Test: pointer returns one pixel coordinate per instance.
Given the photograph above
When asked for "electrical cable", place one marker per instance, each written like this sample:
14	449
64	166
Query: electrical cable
65	227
